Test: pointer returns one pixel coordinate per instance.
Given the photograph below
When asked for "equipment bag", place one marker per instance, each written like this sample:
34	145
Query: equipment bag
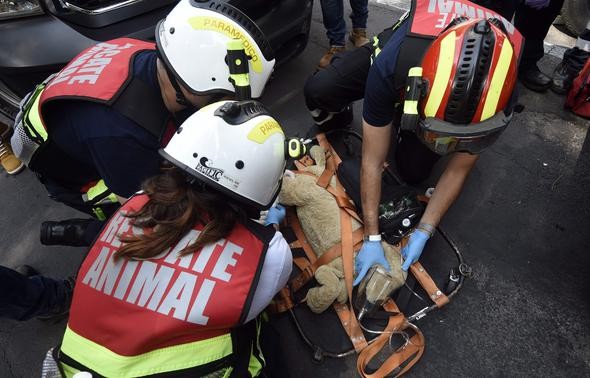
578	98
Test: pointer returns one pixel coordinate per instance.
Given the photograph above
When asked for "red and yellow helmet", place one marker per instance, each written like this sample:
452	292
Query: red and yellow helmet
469	72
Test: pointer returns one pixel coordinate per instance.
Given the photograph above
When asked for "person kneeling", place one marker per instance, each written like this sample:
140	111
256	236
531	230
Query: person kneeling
176	280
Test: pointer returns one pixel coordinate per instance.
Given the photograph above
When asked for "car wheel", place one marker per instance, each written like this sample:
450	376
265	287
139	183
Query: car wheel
575	14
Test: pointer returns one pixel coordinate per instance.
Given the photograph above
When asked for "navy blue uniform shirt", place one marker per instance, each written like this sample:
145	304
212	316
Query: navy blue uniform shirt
109	145
381	93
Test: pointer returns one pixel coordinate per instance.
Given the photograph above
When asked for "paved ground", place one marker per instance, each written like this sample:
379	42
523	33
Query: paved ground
522	223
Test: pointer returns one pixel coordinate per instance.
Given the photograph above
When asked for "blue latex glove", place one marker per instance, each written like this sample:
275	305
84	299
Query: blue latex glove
371	253
537	4
275	215
412	251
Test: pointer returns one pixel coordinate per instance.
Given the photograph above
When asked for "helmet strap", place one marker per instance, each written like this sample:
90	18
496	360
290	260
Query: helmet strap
180	97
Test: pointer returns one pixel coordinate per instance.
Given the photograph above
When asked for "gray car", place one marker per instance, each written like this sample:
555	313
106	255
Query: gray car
38	37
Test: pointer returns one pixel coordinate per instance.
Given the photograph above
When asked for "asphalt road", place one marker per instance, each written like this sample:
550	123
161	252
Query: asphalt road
522	223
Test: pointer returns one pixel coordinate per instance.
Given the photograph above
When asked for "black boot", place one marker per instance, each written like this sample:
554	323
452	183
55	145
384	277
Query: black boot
62	309
70	232
562	79
534	79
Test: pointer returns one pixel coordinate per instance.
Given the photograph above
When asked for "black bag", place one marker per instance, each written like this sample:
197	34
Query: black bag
399	208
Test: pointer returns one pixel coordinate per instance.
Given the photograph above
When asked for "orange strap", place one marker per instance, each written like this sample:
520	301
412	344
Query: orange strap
296	226
352	326
281	302
332	161
435	294
407	355
307	271
427	283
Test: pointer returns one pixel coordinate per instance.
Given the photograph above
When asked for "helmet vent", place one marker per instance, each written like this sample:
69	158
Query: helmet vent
470	76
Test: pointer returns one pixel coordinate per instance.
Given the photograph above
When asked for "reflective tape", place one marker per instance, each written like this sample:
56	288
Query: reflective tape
110	364
443	73
100	194
33	117
410	107
415	71
498	81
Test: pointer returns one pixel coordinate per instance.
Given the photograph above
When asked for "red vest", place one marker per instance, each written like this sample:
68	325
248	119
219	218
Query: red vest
102	73
97	73
430	17
135	306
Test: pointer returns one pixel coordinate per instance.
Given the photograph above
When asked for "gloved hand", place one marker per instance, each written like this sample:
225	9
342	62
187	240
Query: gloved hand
537	4
371	253
412	251
275	214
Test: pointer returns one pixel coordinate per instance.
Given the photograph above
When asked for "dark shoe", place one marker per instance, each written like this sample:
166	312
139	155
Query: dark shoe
336	120
62	309
26	270
327	58
534	79
562	79
70	232
358	37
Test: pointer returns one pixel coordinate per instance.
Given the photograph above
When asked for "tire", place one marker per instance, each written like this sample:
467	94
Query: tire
575	14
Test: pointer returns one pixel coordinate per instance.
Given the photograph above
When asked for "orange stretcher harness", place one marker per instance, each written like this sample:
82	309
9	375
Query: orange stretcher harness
405	356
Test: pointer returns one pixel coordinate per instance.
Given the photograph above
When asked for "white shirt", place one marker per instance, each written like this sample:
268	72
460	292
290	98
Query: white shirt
275	273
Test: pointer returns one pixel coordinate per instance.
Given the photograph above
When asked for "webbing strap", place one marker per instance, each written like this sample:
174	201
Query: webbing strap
435	294
296	226
408	354
307	271
344	201
332	161
427	283
354	330
304	162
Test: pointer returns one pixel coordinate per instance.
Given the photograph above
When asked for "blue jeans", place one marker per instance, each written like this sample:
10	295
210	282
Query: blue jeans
333	15
22	298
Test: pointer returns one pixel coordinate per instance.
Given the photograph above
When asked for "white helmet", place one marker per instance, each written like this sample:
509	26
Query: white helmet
234	147
193	43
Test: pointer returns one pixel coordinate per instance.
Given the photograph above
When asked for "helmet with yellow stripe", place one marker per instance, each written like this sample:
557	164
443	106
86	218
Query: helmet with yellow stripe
234	147
196	42
468	77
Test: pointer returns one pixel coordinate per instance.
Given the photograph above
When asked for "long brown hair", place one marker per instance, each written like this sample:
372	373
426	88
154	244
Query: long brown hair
174	207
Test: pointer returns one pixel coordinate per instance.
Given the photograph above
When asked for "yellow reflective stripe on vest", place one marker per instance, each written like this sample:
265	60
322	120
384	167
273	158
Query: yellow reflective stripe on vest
255	366
33	117
98	190
110	364
68	370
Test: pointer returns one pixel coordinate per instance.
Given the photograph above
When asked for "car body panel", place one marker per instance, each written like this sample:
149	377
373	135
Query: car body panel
32	48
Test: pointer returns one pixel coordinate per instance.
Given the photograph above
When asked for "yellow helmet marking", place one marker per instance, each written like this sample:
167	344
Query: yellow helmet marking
498	81
263	130
444	67
222	26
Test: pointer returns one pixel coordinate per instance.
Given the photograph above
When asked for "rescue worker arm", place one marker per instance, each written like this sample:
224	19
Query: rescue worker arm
275	272
375	148
376	142
447	190
448	187
124	163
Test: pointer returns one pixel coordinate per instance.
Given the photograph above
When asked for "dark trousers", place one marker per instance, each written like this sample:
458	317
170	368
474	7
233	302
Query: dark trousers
328	93
534	24
22	298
